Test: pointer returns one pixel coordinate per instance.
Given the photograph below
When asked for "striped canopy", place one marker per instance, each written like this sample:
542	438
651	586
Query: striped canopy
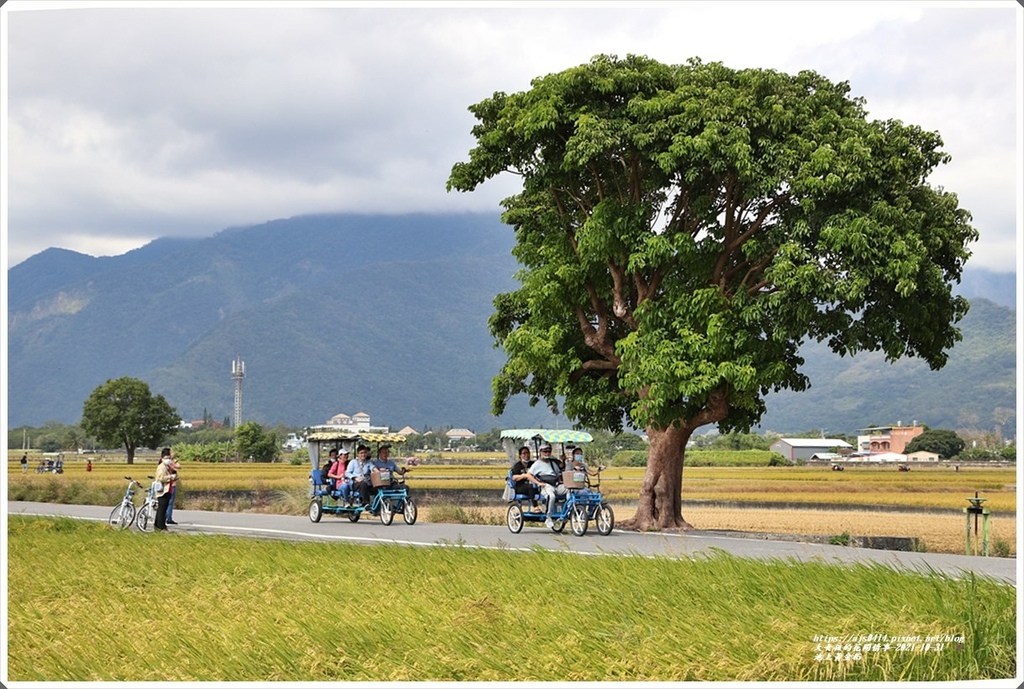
347	435
548	434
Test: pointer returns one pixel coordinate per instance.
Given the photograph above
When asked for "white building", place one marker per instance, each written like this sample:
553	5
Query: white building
357	423
805	448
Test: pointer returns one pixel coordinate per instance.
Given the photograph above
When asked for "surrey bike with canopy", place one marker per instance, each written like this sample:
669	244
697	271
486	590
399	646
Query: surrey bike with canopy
391	495
582	502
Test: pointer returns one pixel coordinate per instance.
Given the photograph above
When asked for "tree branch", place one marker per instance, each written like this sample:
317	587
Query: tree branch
620	305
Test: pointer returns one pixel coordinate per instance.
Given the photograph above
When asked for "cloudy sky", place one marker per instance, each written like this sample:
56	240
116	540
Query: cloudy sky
126	121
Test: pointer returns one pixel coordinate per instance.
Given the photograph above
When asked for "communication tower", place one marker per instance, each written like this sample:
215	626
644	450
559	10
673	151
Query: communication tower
238	373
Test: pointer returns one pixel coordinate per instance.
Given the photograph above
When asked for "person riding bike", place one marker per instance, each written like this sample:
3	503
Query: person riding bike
358	474
546	474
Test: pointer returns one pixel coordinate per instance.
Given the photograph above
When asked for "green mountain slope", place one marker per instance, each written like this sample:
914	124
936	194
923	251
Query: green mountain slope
976	387
387	315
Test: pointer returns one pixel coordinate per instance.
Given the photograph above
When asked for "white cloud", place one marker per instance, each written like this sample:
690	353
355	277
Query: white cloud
126	124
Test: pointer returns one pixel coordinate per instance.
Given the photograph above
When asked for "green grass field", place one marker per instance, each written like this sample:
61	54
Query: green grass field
124	606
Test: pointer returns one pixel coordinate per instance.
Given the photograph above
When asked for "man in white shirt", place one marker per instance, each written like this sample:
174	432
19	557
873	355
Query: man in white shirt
546	474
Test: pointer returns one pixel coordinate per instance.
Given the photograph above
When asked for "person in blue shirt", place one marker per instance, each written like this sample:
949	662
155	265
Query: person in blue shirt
358	474
383	462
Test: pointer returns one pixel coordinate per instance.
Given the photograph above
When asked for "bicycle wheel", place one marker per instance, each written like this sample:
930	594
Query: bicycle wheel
145	519
409	512
514	518
605	519
316	510
387	512
122	516
578	521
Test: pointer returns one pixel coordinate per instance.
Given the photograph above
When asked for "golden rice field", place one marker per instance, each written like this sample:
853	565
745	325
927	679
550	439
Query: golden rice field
936	532
215	608
923	487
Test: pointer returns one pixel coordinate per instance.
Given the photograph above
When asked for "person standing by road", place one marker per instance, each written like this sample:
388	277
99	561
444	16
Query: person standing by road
546	474
165	477
174	485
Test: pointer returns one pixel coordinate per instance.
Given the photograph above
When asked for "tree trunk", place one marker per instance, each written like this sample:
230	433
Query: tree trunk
130	451
660	505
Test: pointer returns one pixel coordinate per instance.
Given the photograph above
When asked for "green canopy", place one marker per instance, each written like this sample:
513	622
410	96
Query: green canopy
548	434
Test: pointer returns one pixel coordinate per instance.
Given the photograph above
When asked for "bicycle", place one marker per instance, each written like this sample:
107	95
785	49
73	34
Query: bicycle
145	519
124	514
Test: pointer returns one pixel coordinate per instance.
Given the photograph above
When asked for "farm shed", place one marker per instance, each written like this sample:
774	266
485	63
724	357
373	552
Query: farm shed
805	448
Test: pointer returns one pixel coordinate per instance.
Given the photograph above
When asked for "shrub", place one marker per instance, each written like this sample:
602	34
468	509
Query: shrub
211	452
841	539
1000	548
629	458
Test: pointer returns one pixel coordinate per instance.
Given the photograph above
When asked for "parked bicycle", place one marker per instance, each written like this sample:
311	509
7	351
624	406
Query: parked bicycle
145	518
124	514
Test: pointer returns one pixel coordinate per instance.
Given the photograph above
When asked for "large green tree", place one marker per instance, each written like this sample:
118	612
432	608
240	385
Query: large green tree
124	412
683	229
941	441
252	443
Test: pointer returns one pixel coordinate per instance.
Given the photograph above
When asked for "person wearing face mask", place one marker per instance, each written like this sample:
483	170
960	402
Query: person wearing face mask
166	474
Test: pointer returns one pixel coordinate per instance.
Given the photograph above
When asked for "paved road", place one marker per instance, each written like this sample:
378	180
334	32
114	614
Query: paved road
690	544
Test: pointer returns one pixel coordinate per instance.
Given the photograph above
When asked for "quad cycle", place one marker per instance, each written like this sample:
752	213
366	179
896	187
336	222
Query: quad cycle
385	503
582	502
578	507
390	494
48	466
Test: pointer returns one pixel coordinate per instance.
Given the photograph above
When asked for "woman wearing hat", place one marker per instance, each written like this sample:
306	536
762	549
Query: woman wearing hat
546	474
337	474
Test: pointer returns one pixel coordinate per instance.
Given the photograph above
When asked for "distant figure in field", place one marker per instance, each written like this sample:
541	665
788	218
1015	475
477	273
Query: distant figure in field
24	463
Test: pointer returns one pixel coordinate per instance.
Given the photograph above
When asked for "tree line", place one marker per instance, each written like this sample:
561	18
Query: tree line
124	413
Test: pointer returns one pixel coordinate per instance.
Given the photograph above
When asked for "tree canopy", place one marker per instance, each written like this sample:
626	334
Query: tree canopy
683	229
124	412
254	444
943	442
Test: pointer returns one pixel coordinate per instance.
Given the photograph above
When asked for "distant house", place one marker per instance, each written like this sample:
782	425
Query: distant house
923	456
293	442
886	457
409	430
887	438
806	448
357	423
460	434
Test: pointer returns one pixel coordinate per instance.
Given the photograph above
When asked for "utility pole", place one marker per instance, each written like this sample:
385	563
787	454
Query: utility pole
238	373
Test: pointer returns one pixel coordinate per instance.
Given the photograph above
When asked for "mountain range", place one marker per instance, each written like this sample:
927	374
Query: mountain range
387	314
